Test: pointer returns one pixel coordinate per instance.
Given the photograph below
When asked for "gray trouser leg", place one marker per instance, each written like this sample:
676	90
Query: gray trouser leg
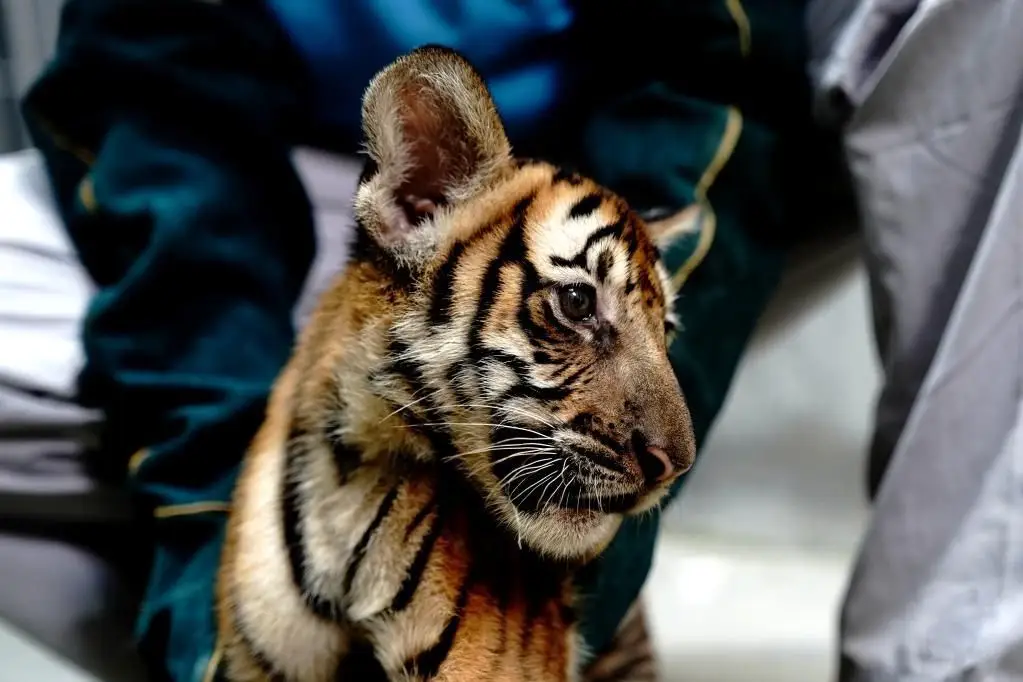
935	149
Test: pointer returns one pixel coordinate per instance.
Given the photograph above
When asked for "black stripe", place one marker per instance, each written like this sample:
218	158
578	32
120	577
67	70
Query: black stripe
444	286
517	365
537	333
585	206
418	519
615	230
631	237
401	364
525	388
457	378
439	437
346	458
294	541
541	357
513	249
261	660
531	391
567	175
579	260
427	664
604	264
359	553
552	319
561	369
360	664
418	567
566	384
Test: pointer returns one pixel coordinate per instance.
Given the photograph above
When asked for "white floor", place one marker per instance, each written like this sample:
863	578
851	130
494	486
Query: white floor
755	554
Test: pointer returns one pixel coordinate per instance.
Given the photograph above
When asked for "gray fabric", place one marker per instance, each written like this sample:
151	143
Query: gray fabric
935	149
43	293
330	181
825	22
28	33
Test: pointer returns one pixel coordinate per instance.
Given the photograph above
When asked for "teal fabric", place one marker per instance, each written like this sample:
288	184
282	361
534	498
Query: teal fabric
683	78
520	45
199	236
166	127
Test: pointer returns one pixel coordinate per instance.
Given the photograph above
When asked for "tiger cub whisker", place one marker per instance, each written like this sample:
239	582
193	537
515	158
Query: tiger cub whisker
478	401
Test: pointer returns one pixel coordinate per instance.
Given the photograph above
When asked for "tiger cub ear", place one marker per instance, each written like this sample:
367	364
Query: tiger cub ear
433	136
667	230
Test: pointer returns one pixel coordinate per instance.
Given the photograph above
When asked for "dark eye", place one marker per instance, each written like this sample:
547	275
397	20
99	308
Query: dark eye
578	302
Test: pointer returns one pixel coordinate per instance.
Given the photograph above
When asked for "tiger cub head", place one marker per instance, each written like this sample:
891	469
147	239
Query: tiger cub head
528	346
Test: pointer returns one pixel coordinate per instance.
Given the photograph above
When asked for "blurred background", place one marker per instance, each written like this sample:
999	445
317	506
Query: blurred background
28	32
755	554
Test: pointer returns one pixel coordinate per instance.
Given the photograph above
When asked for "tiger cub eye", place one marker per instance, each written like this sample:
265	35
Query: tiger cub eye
578	302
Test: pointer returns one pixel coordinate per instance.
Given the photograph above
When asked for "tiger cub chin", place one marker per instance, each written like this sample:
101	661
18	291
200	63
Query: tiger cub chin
480	398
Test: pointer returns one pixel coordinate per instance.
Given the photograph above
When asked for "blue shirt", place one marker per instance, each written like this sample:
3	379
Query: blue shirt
514	43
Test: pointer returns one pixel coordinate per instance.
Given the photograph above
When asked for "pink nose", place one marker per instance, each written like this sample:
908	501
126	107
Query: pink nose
655	464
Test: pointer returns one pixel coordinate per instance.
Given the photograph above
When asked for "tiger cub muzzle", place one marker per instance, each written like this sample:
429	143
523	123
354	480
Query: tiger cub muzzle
625	439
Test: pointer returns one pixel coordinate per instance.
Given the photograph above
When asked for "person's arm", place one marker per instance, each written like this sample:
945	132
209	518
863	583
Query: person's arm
164	124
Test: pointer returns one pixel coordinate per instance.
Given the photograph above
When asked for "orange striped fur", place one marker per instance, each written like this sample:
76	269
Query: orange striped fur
479	399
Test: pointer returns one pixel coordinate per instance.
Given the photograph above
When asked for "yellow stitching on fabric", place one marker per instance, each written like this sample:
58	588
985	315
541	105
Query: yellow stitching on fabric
81	153
191	509
708	227
741	19
136	460
729	140
87	194
211	666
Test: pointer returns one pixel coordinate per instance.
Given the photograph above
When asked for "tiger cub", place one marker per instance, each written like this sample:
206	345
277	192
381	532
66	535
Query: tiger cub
478	400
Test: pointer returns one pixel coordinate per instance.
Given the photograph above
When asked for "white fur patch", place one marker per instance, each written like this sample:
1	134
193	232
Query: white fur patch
270	610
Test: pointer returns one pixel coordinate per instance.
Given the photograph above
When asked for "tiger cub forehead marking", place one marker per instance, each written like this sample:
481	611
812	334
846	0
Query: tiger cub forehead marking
573	230
579	232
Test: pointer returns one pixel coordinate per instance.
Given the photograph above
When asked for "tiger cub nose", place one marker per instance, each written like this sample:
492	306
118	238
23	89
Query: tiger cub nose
653	461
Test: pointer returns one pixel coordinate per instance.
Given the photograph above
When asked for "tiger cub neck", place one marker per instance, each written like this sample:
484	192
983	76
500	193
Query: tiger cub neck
349	395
